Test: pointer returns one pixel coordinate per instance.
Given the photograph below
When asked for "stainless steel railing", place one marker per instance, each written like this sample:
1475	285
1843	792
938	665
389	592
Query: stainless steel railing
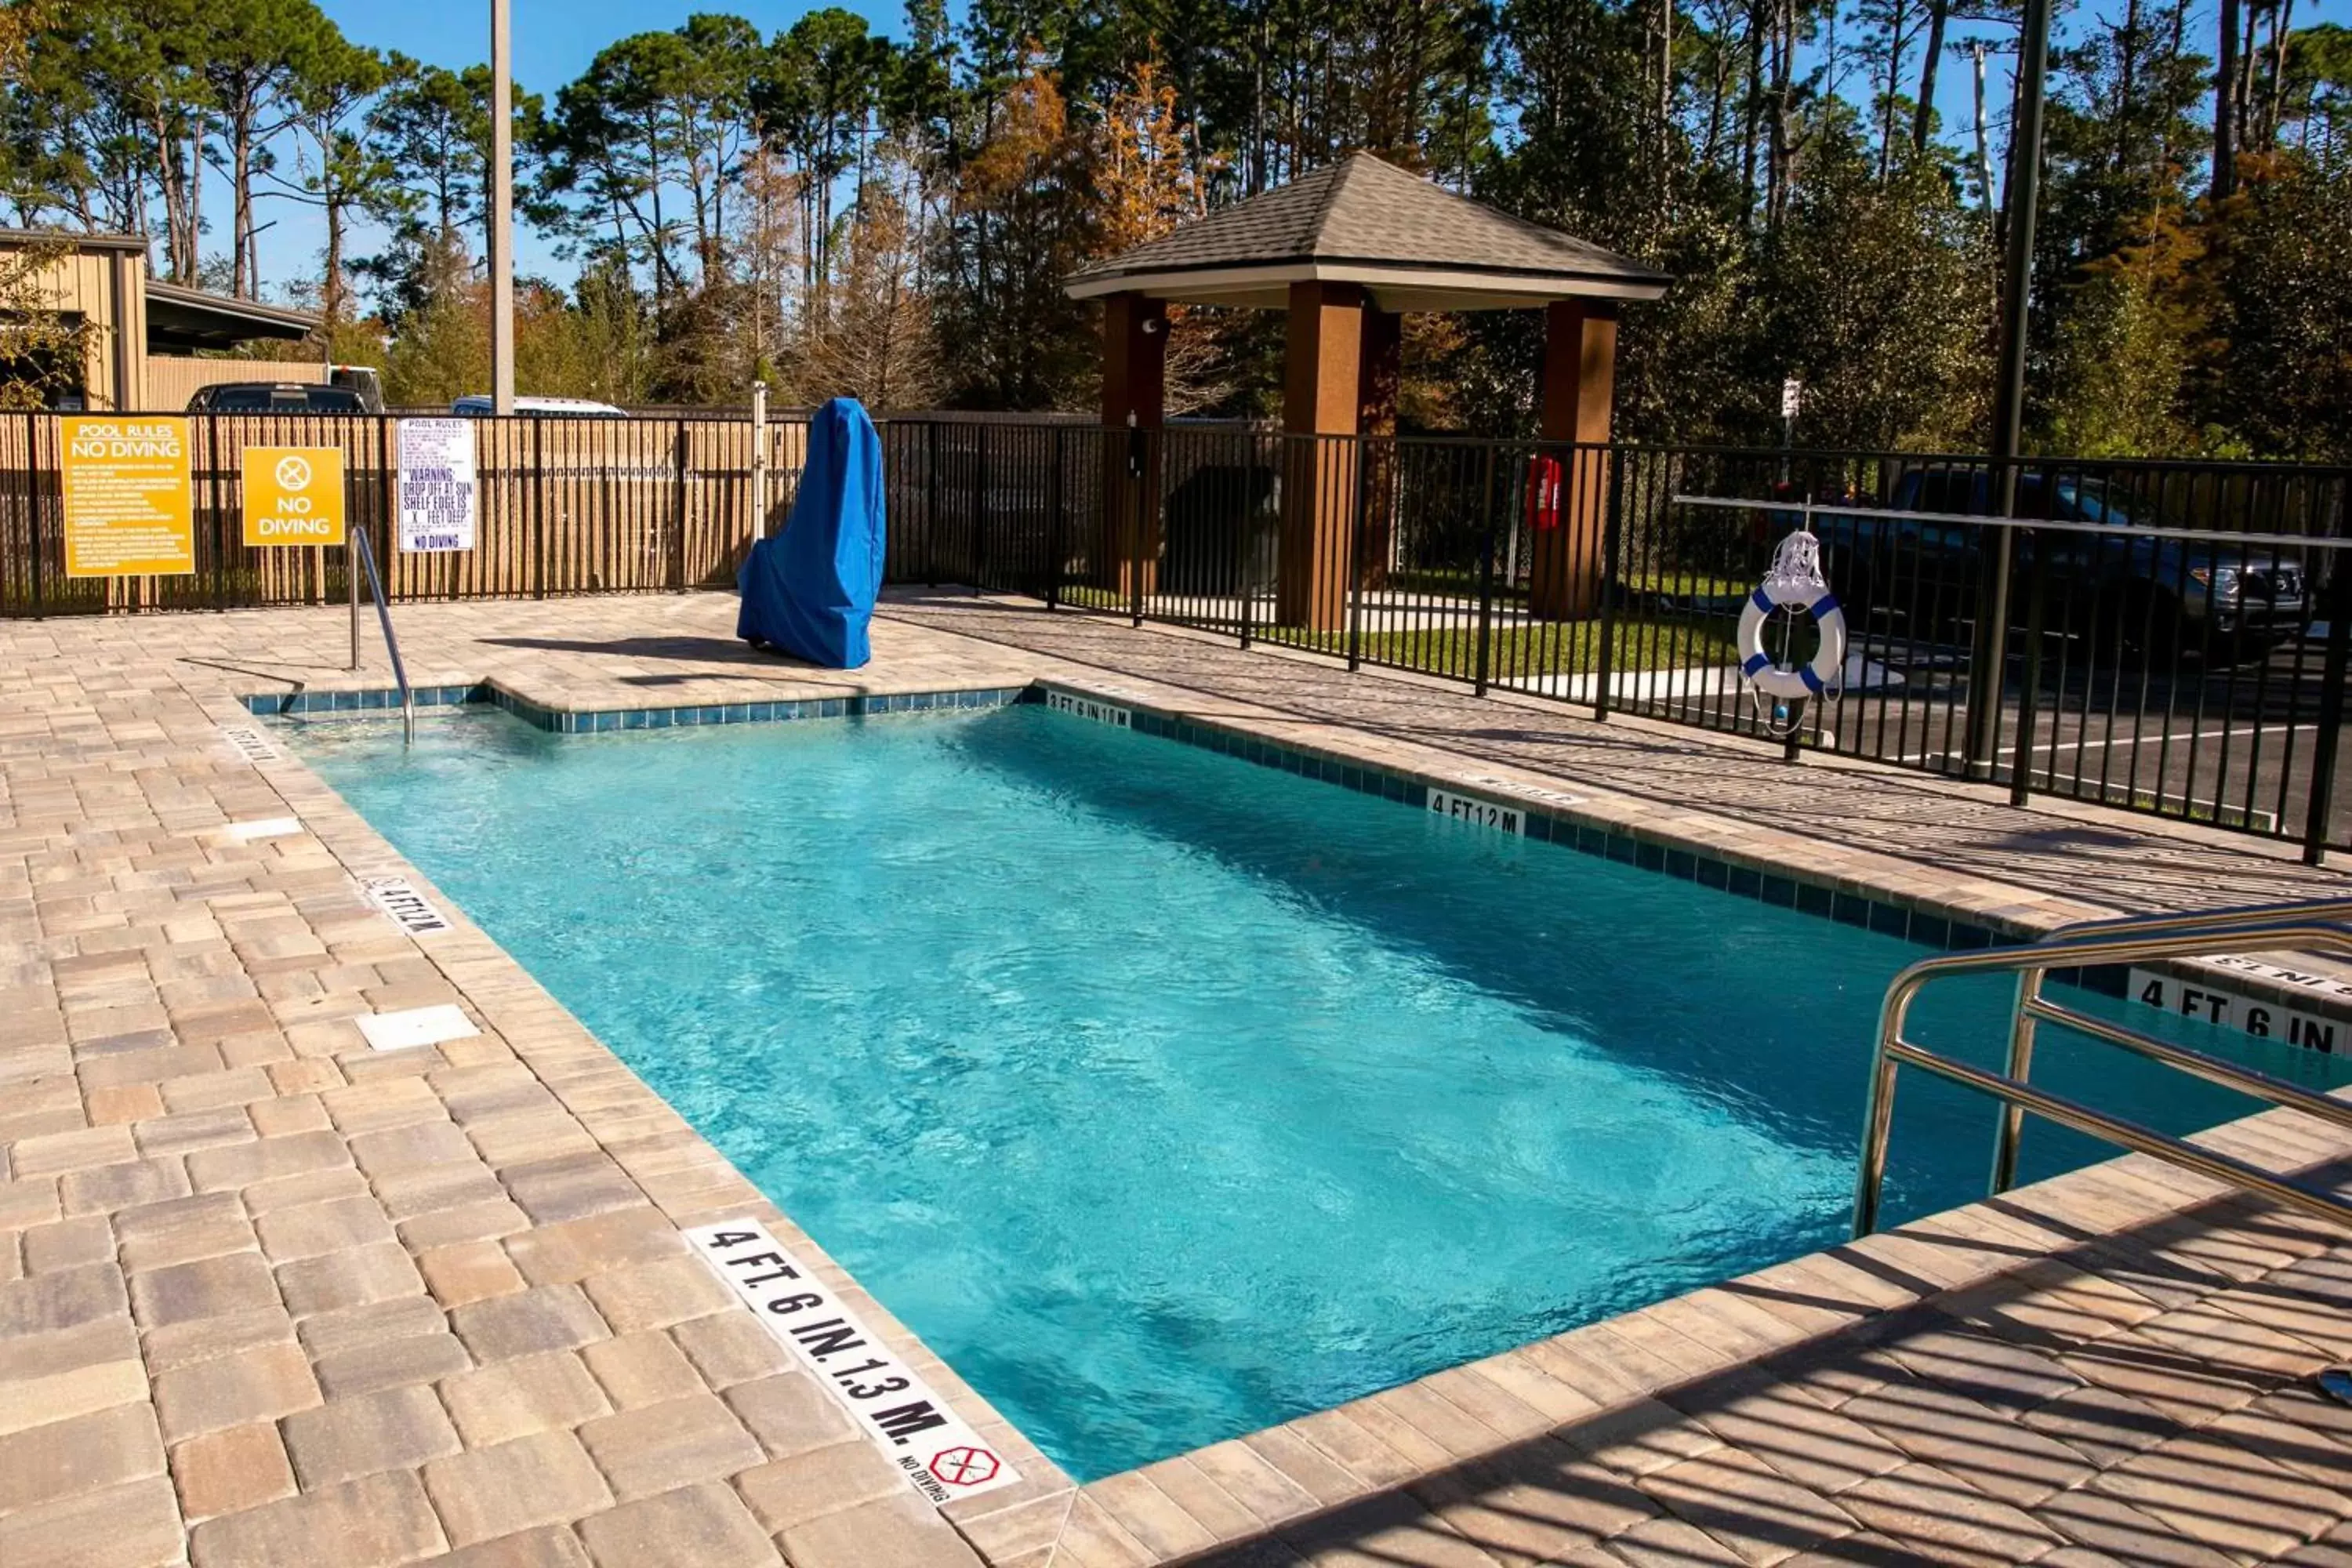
2320	925
391	644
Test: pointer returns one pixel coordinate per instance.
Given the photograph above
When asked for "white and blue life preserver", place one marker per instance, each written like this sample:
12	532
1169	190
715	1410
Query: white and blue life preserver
1829	660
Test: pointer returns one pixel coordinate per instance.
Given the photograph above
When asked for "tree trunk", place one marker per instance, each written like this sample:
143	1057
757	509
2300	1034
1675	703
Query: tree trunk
331	291
240	132
1924	114
1894	82
1753	111
1984	132
2225	94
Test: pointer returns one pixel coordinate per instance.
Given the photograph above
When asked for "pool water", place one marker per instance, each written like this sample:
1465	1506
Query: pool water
1167	1096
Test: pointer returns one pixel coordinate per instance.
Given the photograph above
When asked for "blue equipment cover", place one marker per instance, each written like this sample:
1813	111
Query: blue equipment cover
810	591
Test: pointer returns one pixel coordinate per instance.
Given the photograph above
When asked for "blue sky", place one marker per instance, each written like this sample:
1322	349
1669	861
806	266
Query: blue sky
555	40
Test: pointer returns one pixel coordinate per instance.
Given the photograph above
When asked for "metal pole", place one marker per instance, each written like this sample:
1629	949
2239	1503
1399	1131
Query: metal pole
2009	392
1613	578
502	378
2324	758
2021	769
2020	1068
759	461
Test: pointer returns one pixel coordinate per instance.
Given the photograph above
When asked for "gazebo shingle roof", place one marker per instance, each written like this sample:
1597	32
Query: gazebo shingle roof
1362	210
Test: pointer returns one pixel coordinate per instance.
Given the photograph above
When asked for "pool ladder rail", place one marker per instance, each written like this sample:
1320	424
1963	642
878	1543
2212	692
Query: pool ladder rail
2323	925
359	542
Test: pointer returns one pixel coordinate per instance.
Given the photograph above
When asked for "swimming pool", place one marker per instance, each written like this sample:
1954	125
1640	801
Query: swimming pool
1167	1096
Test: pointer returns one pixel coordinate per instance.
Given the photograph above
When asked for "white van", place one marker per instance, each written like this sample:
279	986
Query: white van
478	407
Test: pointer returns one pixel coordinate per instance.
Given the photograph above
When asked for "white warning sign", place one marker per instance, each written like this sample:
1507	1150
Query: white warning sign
940	1455
436	485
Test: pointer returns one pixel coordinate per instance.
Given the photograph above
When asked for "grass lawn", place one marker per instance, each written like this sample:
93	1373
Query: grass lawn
1558	648
1463	582
1638	641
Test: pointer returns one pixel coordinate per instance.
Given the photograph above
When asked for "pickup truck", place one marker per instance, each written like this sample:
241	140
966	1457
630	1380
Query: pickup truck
2149	594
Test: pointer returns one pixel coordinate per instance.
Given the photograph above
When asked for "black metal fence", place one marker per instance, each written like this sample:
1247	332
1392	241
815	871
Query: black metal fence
2168	638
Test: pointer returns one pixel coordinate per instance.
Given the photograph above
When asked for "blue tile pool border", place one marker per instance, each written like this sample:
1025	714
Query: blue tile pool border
569	722
1782	887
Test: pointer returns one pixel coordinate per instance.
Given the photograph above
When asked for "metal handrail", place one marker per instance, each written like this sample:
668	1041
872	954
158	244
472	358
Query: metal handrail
2305	925
391	643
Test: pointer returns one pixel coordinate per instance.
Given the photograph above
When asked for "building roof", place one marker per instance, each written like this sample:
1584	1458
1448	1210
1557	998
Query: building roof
16	238
1362	220
186	318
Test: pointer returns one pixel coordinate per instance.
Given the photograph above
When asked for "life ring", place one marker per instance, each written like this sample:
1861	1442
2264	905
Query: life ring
1806	681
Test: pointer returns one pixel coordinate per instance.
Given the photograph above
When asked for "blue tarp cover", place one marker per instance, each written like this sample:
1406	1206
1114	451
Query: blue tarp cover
810	591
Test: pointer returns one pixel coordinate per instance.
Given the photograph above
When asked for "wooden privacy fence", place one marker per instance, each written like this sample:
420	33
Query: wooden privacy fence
562	507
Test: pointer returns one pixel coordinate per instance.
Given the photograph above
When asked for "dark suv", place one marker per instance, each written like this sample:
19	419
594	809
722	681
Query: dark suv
2151	594
277	397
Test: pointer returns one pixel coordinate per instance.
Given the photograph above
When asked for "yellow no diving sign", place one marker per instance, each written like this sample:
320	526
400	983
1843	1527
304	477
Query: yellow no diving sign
293	495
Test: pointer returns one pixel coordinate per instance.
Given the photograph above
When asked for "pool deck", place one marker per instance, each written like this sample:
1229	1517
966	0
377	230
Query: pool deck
268	1295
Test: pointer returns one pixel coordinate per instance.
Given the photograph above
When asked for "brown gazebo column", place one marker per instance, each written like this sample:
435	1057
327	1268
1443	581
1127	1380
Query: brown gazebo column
1135	364
1580	377
1321	399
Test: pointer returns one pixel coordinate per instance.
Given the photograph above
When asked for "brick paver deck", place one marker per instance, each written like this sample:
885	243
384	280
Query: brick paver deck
269	1296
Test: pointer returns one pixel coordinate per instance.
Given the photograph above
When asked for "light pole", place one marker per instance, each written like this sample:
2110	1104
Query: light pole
2023	196
502	388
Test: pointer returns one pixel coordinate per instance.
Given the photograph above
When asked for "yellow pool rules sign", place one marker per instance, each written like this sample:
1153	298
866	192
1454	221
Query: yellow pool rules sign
128	512
293	495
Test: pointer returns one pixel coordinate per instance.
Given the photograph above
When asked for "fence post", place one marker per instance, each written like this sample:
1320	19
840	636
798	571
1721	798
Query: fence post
32	508
678	549
2020	768
1486	571
1139	464
538	513
1612	544
1054	547
1245	562
1988	657
1350	584
980	511
932	503
2324	757
220	514
759	460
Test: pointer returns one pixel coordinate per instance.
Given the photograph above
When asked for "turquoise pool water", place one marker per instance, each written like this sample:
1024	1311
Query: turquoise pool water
1166	1096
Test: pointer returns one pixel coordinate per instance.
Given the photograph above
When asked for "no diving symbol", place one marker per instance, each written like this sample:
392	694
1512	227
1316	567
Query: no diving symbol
963	1466
293	473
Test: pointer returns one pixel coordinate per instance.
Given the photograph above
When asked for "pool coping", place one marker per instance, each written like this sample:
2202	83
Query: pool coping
1630	1357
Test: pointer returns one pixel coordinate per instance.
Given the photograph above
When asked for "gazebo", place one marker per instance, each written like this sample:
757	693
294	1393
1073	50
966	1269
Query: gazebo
1347	250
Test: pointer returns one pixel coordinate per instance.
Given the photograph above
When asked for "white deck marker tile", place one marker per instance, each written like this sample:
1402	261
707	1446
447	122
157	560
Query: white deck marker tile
250	743
1089	708
397	899
940	1455
1479	813
406	1031
2251	1016
1534	792
262	828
